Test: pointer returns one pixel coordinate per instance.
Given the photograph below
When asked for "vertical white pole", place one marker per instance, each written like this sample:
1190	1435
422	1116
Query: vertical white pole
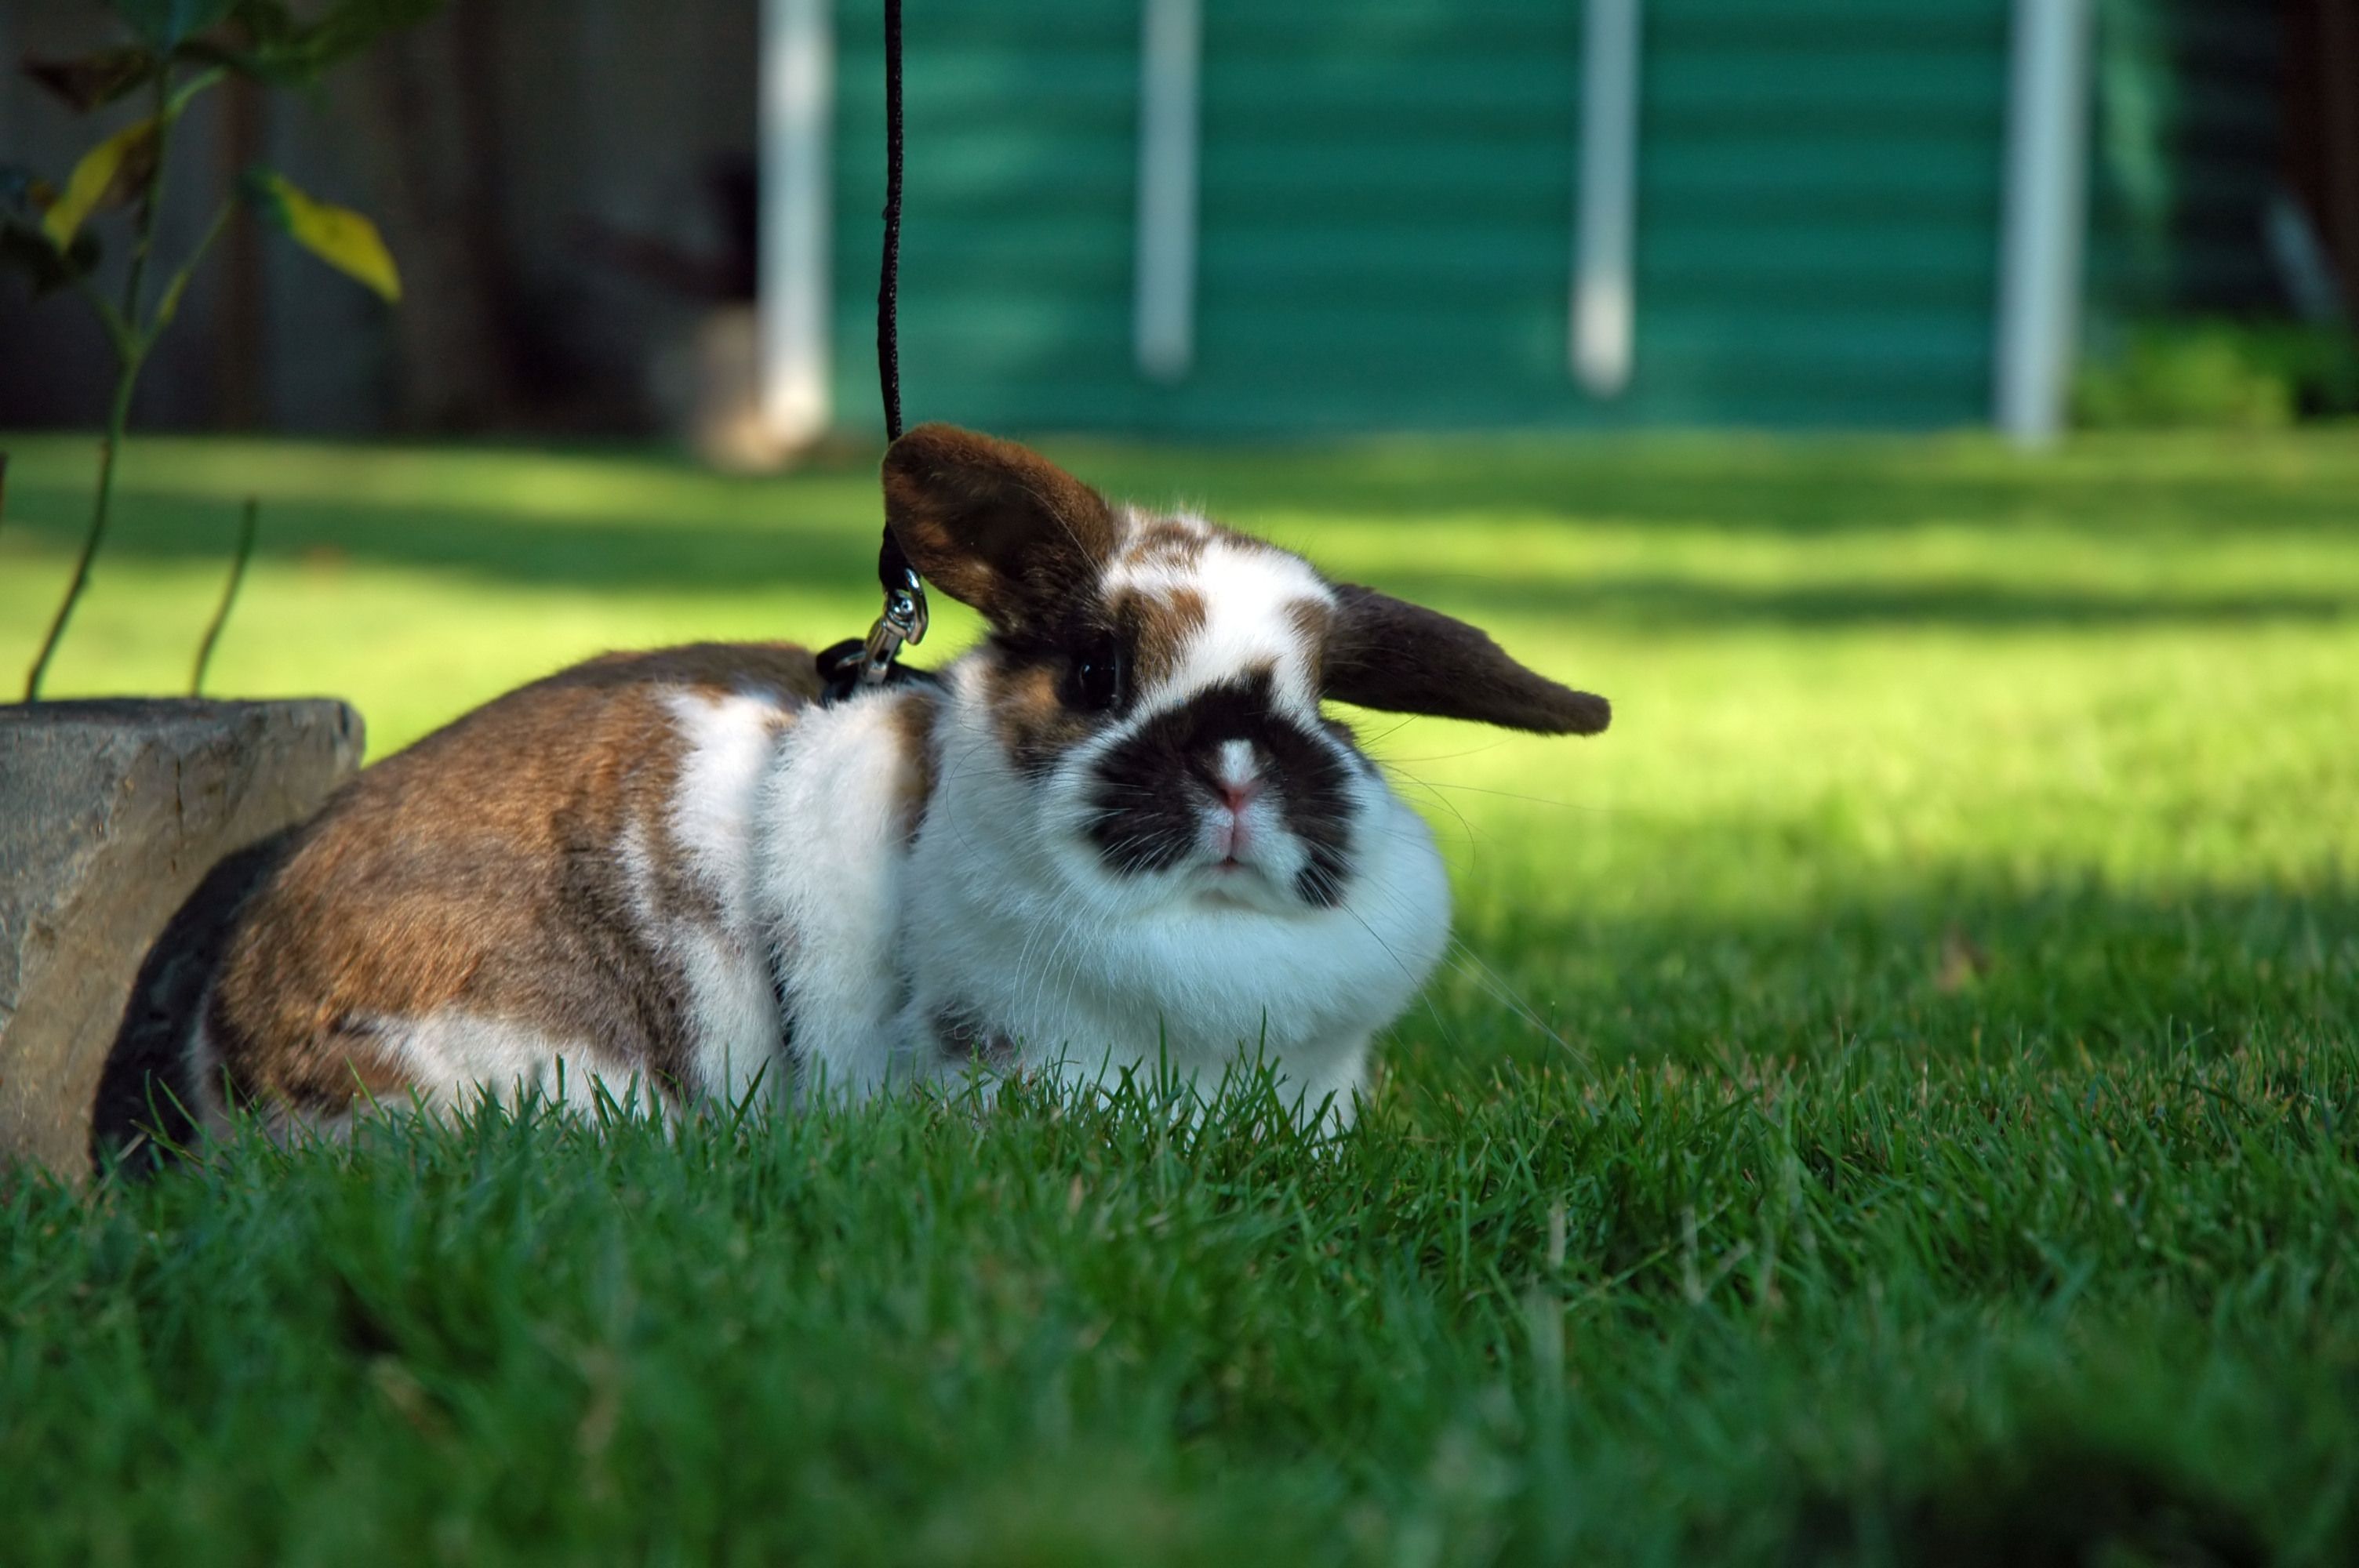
798	106
2045	217
1163	321
1606	221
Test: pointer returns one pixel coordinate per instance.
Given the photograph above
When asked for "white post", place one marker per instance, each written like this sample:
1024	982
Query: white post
2045	217
1163	321
798	106
1606	222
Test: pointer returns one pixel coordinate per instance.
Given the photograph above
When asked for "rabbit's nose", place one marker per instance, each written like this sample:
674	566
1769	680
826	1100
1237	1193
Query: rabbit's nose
1236	775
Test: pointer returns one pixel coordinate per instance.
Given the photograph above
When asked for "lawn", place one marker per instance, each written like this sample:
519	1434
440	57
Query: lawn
1897	1099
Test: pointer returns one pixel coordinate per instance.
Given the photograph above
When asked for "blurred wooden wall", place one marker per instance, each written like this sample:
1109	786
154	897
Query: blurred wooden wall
561	181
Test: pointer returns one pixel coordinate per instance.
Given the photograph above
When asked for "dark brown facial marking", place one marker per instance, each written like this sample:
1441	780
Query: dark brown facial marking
1313	621
1158	627
1029	711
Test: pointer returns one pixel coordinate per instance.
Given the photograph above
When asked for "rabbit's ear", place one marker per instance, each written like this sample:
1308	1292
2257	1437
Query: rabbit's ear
996	525
1389	654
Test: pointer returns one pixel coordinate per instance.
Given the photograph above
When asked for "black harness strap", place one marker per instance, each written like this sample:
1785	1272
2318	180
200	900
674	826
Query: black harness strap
858	662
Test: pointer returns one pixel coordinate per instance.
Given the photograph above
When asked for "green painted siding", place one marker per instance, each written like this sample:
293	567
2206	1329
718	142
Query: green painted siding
1386	208
1021	120
1819	211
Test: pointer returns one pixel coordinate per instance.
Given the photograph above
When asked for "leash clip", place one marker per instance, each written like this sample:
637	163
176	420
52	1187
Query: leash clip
904	620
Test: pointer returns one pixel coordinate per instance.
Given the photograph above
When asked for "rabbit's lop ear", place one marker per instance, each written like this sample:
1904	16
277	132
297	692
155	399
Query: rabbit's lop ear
1404	658
996	525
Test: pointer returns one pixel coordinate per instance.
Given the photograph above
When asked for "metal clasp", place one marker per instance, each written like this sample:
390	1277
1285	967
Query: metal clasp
904	621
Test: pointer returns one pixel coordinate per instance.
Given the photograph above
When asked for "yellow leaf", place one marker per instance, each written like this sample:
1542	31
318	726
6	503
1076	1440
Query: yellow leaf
98	173
337	235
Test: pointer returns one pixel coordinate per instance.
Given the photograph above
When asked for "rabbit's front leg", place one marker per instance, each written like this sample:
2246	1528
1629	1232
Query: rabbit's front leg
831	839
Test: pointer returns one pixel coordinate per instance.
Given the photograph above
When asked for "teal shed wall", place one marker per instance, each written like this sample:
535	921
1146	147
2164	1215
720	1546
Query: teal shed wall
1386	199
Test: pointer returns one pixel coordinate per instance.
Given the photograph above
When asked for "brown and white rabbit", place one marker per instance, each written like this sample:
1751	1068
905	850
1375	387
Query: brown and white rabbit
1118	832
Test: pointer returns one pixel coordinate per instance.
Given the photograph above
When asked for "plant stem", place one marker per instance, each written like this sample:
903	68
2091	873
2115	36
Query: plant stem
116	420
150	201
245	532
167	304
131	345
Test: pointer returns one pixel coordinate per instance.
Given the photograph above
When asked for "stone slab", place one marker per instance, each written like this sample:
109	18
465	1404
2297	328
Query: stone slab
114	816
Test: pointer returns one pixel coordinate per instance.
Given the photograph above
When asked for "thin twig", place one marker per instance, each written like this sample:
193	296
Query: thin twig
91	541
245	530
167	304
131	347
151	200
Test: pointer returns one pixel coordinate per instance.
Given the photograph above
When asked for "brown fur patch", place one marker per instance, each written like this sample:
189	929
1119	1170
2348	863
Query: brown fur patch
1386	653
1028	714
913	723
1167	541
1158	627
354	1074
1313	623
482	869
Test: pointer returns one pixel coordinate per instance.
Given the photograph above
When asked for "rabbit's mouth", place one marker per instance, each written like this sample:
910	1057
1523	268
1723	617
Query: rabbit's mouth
1246	857
1242	885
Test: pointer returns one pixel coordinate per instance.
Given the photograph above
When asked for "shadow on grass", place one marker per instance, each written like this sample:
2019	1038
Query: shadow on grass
1803	489
2062	1505
690	556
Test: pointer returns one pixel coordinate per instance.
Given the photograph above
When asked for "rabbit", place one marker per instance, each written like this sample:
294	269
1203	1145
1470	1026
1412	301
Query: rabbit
1118	833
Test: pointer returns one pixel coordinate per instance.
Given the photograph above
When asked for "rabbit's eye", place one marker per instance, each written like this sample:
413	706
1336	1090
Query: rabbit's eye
1099	678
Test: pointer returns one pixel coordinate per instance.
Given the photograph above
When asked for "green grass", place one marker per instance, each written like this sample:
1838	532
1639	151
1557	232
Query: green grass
1899	1101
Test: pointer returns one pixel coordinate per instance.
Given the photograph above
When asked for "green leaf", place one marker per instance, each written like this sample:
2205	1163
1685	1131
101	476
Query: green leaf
337	235
95	81
167	23
108	175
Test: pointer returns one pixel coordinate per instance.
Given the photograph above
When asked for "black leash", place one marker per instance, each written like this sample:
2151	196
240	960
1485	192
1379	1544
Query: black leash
889	272
858	662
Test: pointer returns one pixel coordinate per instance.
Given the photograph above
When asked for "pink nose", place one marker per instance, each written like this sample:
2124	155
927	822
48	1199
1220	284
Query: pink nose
1237	797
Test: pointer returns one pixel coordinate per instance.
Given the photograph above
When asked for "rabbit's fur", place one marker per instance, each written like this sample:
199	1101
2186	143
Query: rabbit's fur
1118	832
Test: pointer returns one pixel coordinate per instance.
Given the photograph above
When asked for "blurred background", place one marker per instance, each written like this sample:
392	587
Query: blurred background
1174	218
